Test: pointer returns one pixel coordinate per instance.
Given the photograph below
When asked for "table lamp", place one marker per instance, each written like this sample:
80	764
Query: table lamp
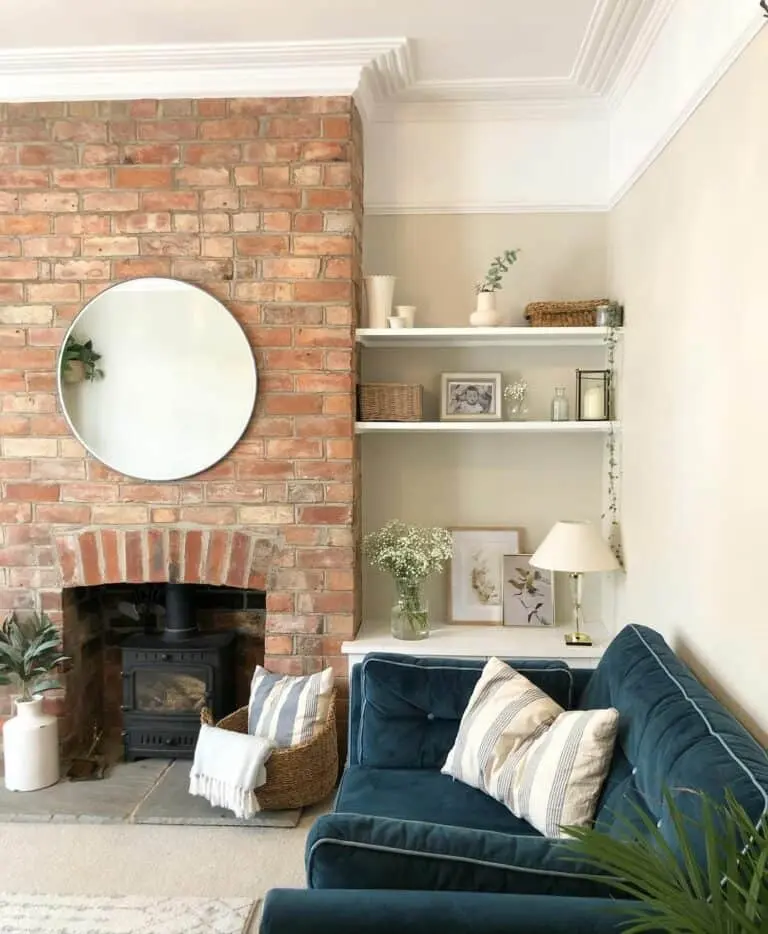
576	548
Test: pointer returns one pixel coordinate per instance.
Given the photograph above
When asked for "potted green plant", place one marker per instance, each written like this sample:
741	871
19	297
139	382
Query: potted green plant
410	554
29	651
78	361
670	888
485	314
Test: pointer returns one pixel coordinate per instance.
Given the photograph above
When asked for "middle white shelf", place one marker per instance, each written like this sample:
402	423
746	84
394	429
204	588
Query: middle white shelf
531	427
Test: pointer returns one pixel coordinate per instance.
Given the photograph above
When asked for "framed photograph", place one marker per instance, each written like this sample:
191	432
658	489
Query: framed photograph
476	579
469	397
528	596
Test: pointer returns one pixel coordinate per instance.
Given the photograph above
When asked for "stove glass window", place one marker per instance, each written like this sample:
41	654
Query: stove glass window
162	691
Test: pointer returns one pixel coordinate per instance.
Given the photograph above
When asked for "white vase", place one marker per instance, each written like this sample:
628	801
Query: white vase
379	293
485	314
31	747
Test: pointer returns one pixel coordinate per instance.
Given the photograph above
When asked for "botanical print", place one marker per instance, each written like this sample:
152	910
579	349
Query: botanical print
527	593
468	396
477	579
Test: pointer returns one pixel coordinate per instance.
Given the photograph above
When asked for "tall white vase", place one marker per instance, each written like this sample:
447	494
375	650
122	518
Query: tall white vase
31	747
485	314
379	293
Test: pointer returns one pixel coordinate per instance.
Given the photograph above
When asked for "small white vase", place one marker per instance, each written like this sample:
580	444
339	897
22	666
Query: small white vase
379	293
485	314
31	747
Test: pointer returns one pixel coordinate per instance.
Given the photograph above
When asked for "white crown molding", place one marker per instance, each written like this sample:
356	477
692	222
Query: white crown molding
496	207
260	69
500	111
387	74
633	60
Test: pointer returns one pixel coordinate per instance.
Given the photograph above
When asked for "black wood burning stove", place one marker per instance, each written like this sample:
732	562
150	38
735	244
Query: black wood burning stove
169	676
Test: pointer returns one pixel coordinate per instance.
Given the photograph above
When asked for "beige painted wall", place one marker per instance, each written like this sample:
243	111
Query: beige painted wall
688	247
476	480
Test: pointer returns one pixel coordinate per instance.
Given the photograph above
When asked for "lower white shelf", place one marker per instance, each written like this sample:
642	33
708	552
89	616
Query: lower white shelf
456	641
531	427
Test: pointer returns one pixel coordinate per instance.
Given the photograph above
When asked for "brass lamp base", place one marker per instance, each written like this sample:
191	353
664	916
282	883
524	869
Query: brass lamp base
578	638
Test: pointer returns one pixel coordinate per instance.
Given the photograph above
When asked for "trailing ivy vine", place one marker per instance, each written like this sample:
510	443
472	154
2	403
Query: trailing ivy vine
614	467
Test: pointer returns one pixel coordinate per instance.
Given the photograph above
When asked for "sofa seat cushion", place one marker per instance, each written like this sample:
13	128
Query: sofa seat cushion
411	707
424	795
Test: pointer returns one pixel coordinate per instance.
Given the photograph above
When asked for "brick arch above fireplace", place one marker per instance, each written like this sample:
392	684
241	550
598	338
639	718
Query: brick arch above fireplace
236	558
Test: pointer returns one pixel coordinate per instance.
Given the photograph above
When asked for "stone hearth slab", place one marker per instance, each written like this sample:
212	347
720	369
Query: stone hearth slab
151	791
169	802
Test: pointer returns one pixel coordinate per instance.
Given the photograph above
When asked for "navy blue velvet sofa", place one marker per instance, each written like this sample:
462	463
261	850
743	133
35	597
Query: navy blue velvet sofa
407	848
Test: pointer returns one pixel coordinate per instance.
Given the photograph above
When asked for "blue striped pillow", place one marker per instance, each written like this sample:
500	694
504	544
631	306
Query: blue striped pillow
288	709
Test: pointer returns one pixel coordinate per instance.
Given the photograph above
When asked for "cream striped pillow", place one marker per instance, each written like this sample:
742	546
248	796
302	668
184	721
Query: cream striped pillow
504	713
289	709
556	781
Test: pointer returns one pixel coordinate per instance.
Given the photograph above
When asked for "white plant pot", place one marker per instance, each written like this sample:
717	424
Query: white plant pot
485	314
379	293
31	747
73	372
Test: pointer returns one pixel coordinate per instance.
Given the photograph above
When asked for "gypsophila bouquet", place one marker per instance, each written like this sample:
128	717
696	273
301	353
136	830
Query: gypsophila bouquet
409	553
517	391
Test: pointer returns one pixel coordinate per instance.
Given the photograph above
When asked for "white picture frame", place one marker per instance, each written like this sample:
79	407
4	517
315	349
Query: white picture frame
476	578
470	397
528	593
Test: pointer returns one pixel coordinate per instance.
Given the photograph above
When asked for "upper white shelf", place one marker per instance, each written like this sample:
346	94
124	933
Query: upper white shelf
482	337
534	427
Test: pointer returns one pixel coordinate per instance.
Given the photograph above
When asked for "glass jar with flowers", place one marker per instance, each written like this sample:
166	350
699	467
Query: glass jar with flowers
410	554
516	396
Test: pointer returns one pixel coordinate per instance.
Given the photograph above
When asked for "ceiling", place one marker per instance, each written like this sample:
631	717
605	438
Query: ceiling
489	49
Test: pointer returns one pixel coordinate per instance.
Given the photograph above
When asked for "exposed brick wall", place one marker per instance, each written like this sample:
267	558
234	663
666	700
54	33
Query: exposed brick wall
260	203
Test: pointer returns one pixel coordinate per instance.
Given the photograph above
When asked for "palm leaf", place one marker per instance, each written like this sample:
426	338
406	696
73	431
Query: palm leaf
47	685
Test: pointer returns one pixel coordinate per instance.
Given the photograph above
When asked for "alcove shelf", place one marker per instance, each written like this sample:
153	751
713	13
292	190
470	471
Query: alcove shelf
482	337
496	428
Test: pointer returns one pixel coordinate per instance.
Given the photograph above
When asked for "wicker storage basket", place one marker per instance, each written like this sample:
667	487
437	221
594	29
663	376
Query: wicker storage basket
563	314
297	776
390	402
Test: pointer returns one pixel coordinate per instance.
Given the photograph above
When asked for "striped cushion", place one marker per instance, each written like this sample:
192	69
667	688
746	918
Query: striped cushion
286	709
557	780
505	711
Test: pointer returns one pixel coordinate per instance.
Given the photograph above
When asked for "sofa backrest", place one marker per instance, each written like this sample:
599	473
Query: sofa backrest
674	737
405	711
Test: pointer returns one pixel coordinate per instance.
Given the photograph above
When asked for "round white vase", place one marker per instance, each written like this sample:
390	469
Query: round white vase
485	314
31	747
379	293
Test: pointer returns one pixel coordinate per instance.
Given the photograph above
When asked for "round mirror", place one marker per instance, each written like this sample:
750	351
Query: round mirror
157	379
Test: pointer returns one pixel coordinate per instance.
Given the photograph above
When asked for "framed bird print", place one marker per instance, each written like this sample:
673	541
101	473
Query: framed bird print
528	595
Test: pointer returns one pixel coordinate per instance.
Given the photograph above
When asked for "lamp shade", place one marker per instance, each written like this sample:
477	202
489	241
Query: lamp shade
576	547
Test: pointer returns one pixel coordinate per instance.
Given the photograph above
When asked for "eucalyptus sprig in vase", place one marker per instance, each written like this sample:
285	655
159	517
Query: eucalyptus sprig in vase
410	554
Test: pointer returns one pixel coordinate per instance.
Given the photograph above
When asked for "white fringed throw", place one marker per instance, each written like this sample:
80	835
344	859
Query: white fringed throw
227	767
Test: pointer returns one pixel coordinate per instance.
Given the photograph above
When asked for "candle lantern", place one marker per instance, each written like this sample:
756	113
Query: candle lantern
593	395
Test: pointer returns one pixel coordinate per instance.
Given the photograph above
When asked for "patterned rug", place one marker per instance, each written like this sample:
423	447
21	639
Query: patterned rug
65	914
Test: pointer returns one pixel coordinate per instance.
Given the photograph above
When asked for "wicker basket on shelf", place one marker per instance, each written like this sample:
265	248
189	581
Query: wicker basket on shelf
297	776
390	402
563	314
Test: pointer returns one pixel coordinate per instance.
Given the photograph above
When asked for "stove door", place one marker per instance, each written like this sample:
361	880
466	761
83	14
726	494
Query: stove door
166	690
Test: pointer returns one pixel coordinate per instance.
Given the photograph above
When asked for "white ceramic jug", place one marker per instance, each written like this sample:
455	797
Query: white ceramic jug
31	747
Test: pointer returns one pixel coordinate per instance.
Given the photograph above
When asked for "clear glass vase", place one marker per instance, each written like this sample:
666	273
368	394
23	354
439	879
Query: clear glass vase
410	614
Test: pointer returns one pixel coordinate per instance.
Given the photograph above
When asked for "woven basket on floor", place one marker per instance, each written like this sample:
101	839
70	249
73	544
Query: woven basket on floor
297	776
390	402
563	314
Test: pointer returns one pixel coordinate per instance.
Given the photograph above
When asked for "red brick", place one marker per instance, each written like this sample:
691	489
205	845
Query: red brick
148	493
293	404
51	246
307	175
89	559
120	514
202	269
324	152
203	177
80	131
211	154
288	198
81	178
323	291
156	556
193	550
111	556
278	645
142	266
13	470
143	108
328	199
293	127
325	602
216	557
89	492
292	268
209	515
66	547
18	269
171	245
321	426
217	246
286	665
46	154
263	245
263	470
11	224
143	223
32	492
158	154
238	560
337	175
322	246
134	557
169	201
308	222
57	470
338	360
23	178
53	292
100	154
293	449
271	151
49	201
61	513
111	201
338	449
9	247
28	358
141	177
82	269
79	224
221	199
168	130
323	337
337	405
275	176
336	127
271	220
11	292
48	425
229	129
164	514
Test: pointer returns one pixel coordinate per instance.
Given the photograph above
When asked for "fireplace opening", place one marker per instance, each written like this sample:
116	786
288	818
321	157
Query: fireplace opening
146	658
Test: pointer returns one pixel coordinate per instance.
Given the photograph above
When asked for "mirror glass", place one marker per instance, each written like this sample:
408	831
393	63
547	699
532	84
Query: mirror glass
157	379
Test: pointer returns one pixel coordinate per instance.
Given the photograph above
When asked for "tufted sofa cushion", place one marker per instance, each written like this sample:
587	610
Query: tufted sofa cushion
411	707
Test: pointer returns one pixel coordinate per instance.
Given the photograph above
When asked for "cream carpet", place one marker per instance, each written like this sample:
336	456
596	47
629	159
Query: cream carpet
75	914
150	860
